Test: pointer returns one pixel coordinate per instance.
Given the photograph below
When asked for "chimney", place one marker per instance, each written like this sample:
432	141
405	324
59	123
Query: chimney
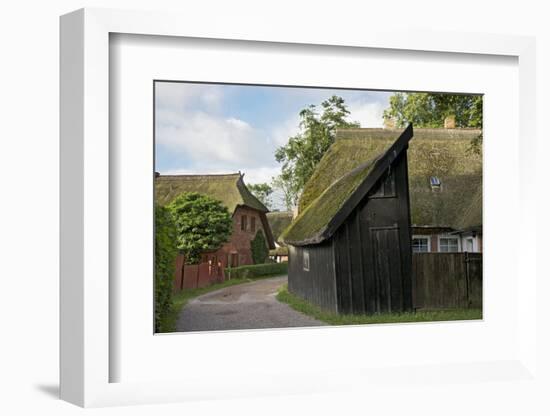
450	122
389	123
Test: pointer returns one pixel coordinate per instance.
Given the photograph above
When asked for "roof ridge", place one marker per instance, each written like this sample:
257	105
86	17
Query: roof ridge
201	175
379	133
398	129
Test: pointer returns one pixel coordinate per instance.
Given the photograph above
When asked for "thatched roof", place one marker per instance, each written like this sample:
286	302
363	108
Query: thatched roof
442	153
344	181
279	221
229	189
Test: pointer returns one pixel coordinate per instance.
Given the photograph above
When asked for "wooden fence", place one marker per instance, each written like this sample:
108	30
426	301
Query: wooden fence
447	280
192	276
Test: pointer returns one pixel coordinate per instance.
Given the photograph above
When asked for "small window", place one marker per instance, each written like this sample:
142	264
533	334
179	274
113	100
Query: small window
306	260
470	245
386	186
435	183
448	244
253	224
420	244
244	223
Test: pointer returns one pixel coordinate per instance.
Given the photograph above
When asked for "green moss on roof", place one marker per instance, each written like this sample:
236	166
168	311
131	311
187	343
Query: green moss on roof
278	222
309	226
229	189
342	157
432	152
473	215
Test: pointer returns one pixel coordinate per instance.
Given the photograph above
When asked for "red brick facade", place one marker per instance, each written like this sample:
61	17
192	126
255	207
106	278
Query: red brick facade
237	250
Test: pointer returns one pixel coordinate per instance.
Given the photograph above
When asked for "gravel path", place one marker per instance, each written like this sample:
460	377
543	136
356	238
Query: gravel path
247	306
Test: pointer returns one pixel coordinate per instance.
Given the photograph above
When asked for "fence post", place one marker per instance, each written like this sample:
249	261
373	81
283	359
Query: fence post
467	261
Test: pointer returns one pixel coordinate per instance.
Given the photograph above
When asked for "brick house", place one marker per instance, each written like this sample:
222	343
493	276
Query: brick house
248	213
445	182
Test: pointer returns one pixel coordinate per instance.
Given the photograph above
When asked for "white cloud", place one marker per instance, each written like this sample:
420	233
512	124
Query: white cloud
207	139
179	96
287	129
368	114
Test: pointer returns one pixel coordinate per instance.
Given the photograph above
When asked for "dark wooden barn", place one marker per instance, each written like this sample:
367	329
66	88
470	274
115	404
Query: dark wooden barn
350	249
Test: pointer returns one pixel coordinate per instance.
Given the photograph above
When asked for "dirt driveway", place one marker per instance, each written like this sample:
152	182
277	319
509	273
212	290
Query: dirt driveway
247	306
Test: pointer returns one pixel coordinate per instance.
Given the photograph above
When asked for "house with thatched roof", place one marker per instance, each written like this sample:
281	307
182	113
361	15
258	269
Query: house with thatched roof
445	182
350	245
279	221
248	213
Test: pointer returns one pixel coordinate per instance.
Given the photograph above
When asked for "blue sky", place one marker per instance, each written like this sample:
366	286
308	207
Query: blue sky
207	128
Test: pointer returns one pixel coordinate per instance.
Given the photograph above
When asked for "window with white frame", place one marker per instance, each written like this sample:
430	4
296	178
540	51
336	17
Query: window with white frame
420	244
306	260
448	244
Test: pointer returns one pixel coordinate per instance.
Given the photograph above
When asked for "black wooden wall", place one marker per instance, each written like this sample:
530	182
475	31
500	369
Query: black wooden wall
317	284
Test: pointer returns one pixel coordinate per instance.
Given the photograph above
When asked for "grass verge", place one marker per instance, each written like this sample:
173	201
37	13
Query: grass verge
179	300
303	306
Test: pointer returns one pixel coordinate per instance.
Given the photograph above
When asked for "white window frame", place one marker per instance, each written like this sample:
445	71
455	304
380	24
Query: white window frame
422	237
467	241
458	245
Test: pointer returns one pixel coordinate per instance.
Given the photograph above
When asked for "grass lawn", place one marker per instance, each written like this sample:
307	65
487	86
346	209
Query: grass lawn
179	300
307	308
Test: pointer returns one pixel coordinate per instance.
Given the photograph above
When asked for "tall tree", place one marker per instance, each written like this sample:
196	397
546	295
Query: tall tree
300	155
263	192
431	109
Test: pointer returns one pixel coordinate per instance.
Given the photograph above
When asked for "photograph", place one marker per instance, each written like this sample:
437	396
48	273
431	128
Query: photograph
291	206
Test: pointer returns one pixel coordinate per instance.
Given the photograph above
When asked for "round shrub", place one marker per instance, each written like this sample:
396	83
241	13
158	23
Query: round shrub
202	224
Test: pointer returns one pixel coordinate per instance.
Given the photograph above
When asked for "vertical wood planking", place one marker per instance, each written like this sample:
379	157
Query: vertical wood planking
441	280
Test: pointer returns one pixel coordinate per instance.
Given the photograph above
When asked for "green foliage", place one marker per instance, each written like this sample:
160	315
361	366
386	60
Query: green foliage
202	224
429	110
307	308
263	192
257	270
165	262
259	248
285	192
301	154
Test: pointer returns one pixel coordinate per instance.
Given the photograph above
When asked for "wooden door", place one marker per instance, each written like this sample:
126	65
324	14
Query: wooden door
388	276
234	260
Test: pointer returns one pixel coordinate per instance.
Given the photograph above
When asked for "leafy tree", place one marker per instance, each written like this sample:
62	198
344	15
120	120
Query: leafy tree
165	264
301	154
431	109
258	245
288	198
263	192
202	224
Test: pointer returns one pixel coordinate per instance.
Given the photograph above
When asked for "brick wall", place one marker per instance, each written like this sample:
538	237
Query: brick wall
239	243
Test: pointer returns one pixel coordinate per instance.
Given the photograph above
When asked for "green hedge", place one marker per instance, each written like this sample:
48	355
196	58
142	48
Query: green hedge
165	262
257	270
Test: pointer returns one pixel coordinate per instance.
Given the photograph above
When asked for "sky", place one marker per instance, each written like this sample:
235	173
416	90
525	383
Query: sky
209	128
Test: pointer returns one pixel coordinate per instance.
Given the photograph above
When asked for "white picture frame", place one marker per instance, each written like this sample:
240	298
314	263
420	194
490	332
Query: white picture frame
85	350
